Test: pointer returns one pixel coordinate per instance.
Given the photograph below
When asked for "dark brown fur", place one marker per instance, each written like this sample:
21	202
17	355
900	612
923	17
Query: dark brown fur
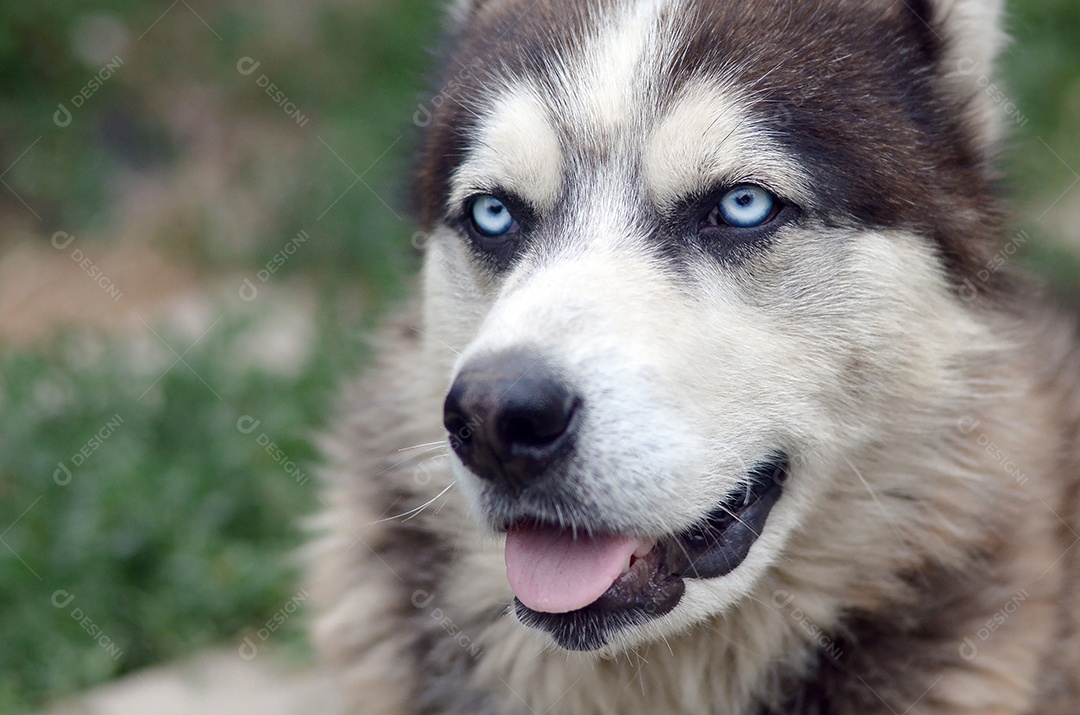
887	145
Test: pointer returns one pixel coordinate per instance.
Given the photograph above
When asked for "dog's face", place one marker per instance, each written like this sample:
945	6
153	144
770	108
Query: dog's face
697	266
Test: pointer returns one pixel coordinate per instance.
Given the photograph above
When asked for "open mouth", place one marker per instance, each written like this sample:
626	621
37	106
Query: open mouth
581	588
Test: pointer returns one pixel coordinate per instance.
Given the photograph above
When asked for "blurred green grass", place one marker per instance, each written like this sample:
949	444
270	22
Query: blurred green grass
167	524
1041	76
142	487
175	533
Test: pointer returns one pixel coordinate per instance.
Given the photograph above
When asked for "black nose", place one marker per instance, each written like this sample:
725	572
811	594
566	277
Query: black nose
510	416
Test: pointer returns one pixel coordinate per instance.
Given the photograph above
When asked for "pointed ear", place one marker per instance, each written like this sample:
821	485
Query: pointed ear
972	36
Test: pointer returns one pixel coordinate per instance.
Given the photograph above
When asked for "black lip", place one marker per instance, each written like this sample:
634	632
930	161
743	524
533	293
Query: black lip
713	548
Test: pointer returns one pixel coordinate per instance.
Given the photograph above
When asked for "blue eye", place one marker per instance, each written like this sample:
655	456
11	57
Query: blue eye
490	216
746	206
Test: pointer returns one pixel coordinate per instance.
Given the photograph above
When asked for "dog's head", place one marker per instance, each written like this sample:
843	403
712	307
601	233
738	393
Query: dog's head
699	268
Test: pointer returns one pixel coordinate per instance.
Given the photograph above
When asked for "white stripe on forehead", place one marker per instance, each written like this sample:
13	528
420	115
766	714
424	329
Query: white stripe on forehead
707	139
515	145
707	136
515	148
606	78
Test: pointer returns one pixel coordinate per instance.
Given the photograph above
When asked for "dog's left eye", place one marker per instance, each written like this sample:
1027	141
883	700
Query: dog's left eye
745	206
490	216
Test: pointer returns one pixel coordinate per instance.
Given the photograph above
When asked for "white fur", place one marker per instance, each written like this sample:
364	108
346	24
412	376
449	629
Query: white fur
612	69
973	38
515	149
707	139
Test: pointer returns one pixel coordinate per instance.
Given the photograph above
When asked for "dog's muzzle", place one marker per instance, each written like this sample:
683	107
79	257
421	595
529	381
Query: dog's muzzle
513	421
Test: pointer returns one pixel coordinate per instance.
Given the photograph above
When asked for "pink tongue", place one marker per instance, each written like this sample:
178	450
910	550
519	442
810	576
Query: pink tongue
551	572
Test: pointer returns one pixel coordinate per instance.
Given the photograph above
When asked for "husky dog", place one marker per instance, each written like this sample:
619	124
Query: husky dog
720	399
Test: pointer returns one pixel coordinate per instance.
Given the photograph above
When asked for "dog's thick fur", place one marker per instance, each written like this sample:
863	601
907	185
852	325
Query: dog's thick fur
923	556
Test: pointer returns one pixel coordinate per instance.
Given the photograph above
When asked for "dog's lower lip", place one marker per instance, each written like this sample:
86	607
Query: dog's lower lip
654	584
723	540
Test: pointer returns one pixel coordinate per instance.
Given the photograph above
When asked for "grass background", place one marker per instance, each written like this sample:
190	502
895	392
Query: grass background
174	534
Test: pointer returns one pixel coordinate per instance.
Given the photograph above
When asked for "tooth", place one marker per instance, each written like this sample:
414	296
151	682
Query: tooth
644	548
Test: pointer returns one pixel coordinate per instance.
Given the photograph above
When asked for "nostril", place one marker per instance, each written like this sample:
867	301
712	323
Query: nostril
523	430
458	428
537	425
456	419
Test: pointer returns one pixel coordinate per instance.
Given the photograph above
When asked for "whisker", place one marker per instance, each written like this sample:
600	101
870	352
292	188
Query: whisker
440	342
395	465
416	510
425	444
873	495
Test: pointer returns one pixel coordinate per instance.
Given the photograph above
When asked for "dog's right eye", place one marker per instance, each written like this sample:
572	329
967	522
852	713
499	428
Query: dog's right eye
490	216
